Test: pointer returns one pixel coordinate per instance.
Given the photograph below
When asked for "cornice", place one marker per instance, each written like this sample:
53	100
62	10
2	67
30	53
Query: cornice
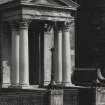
17	4
17	10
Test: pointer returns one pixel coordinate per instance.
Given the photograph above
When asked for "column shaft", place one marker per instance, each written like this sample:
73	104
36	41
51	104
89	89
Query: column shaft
15	58
58	56
24	57
66	56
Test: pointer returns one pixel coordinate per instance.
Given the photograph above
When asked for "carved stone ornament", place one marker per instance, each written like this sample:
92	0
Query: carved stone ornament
47	27
18	24
58	26
67	25
101	78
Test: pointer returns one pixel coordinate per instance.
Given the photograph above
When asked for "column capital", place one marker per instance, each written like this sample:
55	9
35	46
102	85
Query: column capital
18	24
58	26
24	23
67	25
47	27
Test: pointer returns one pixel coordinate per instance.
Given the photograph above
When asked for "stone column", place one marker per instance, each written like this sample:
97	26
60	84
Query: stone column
58	55
15	56
24	56
66	55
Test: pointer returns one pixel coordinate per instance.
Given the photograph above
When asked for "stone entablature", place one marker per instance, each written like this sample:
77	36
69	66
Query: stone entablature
18	9
32	11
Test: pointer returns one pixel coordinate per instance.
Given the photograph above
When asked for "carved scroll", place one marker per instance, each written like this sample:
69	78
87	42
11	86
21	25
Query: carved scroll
100	77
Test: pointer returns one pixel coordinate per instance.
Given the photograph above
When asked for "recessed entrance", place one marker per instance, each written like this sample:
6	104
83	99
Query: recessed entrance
36	52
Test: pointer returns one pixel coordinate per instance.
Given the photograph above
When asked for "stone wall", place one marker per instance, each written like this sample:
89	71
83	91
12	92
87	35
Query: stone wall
87	96
90	34
68	96
25	97
71	96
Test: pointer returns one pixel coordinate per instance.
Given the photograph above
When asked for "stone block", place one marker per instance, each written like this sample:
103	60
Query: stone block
55	97
23	97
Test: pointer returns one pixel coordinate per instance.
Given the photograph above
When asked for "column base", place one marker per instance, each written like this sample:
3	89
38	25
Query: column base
6	85
14	85
18	86
33	87
46	83
28	86
67	84
24	86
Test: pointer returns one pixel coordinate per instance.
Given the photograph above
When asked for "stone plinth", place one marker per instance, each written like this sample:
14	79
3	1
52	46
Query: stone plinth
55	97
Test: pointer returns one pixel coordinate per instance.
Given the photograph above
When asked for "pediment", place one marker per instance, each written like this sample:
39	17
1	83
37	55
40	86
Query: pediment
58	3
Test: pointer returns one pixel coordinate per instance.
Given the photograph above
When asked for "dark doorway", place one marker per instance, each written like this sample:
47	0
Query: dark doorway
36	53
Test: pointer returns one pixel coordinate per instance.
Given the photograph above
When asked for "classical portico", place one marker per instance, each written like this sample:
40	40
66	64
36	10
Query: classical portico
37	26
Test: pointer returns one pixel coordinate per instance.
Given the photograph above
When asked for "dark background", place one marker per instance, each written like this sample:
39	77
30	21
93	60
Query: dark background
90	34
